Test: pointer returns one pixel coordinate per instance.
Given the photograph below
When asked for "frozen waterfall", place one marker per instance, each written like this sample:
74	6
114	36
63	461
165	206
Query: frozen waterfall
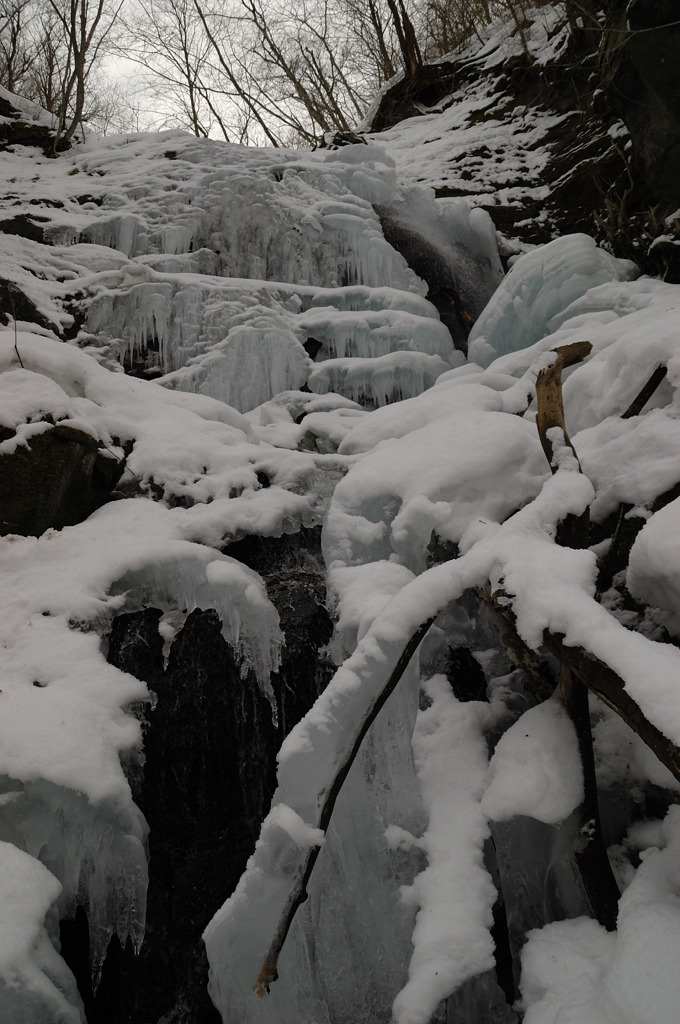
235	354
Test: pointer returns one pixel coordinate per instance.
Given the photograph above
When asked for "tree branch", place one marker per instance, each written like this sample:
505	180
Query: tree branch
590	853
610	688
269	972
549	395
641	399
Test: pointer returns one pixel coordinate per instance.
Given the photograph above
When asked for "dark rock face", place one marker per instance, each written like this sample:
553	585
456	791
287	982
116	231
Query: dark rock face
58	480
644	86
25	227
207	772
628	71
210	745
19	130
438	264
429	84
15	304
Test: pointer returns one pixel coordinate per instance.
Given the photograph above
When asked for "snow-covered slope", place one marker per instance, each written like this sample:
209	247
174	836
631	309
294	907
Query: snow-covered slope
286	369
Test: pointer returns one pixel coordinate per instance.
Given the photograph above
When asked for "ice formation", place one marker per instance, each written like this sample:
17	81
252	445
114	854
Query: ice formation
373	549
540	285
300	376
577	968
35	983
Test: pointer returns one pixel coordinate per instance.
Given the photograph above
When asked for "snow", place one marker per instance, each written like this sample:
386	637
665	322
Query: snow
454	893
575	970
654	568
381	380
91	581
209	267
536	768
439	476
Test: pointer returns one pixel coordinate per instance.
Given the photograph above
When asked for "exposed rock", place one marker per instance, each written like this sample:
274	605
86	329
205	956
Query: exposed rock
336	140
643	76
210	744
16	304
429	84
25	226
57	480
430	264
18	129
596	182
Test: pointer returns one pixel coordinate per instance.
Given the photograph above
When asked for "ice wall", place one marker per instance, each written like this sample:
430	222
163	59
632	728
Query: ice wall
322	972
379	381
68	716
96	851
281	215
540	285
367	333
35	984
453	248
297	256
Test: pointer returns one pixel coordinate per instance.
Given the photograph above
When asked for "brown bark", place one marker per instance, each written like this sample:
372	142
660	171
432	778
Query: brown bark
549	395
610	688
590	852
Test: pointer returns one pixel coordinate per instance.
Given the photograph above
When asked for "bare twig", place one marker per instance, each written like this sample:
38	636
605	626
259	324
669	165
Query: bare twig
105	447
641	399
14	317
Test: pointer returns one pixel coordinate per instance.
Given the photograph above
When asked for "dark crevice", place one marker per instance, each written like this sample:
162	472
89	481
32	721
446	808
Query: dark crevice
430	263
210	744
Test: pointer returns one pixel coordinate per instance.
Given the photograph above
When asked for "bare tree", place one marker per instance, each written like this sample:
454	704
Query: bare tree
17	57
449	23
113	107
49	49
167	39
85	27
282	71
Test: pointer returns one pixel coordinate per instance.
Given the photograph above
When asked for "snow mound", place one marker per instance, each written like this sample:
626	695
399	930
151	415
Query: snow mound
575	970
539	286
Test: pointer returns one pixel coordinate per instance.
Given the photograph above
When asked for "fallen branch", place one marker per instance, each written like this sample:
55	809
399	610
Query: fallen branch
538	677
600	679
580	672
268	972
641	399
573	532
590	852
616	559
610	688
550	408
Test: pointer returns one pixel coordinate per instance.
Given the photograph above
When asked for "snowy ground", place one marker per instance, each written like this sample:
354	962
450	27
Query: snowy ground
209	269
